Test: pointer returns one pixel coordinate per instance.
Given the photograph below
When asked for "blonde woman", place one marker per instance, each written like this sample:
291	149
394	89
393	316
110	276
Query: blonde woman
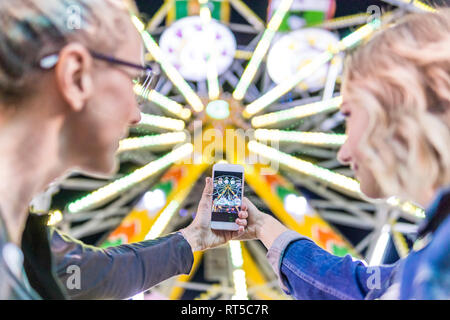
397	104
66	99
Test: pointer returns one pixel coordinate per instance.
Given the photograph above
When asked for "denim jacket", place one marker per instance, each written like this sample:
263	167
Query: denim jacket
306	271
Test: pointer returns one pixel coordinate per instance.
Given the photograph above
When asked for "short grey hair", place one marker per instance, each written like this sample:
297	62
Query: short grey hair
31	29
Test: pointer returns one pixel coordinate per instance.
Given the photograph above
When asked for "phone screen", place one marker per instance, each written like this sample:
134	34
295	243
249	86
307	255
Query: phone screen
227	196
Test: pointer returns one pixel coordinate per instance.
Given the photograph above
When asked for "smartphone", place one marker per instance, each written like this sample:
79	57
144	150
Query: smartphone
228	180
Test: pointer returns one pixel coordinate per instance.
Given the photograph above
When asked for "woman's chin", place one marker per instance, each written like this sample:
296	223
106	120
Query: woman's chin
371	191
103	169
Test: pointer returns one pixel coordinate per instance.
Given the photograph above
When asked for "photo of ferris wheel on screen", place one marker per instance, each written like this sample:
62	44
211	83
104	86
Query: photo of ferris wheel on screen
227	193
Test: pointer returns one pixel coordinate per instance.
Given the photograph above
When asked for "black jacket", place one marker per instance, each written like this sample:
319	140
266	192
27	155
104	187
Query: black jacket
113	273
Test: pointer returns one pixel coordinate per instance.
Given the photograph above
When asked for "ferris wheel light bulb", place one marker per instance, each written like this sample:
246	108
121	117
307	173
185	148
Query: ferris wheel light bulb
261	50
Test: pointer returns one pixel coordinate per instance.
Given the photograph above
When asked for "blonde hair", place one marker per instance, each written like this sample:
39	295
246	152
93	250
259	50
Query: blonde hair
31	29
402	78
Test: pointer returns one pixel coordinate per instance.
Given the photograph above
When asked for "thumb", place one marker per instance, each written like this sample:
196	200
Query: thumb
246	204
206	200
250	207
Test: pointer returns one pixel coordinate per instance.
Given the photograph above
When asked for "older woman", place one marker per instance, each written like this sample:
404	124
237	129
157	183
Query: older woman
396	93
66	99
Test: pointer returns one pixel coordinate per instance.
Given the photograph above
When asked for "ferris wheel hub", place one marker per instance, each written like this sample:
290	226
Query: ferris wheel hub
218	109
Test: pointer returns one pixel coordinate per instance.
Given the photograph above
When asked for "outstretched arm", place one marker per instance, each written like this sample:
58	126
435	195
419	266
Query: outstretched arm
305	270
119	272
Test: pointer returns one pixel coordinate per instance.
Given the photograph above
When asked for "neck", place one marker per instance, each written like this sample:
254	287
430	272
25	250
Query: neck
427	198
29	162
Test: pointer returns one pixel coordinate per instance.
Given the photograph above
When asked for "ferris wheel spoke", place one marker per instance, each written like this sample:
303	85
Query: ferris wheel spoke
332	75
164	103
329	177
400	243
191	97
261	50
277	92
411	5
160	123
212	75
293	210
248	14
243	55
285	117
252	91
153	212
344	22
156	142
298	137
176	199
159	16
123	184
307	70
335	180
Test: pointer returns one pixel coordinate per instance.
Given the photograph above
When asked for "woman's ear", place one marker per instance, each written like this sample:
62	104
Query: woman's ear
74	75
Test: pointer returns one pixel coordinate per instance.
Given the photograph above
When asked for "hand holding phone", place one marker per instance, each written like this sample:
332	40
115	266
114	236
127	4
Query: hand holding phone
199	233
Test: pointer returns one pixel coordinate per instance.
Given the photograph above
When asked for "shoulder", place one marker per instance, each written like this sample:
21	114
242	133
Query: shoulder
438	249
433	276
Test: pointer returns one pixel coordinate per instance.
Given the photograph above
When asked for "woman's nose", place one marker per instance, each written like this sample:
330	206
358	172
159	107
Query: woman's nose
136	116
344	155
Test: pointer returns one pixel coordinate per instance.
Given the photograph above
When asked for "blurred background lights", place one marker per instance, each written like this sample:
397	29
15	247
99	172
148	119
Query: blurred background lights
56	216
296	205
154	200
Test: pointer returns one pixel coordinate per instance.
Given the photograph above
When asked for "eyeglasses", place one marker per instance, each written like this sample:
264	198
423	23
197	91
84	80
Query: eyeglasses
145	82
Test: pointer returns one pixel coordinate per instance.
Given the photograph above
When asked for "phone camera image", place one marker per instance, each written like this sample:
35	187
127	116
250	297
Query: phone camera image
227	196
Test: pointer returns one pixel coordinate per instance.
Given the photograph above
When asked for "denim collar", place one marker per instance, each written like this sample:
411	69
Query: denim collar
439	206
440	203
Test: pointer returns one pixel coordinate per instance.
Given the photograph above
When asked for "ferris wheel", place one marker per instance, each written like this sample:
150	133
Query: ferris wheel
278	96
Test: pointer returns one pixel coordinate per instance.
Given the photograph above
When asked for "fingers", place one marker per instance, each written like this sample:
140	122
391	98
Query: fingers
241	222
243	214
